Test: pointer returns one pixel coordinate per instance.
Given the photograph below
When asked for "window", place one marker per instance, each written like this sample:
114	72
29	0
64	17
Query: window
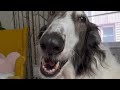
108	33
109	23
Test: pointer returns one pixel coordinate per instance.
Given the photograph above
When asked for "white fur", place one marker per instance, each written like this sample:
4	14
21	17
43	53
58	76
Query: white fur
111	68
69	33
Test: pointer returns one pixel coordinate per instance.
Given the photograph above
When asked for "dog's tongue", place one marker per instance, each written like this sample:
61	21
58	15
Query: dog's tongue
50	65
50	62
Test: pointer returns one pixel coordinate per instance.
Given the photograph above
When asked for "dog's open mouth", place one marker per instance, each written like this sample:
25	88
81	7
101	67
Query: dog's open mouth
51	67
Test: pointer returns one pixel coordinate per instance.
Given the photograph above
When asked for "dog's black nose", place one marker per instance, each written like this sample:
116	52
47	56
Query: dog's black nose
52	44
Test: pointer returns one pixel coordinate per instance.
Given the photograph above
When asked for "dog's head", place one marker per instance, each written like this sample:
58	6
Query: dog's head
68	36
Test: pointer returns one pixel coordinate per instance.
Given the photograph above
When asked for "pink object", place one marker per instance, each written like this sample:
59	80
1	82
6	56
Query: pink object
7	64
2	56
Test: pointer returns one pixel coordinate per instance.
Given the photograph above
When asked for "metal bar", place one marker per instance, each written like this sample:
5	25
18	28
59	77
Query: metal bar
28	74
35	23
43	16
33	36
104	14
30	65
22	18
18	19
48	15
14	20
39	21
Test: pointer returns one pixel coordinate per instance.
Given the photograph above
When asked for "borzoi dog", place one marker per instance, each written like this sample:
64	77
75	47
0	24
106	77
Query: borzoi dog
71	48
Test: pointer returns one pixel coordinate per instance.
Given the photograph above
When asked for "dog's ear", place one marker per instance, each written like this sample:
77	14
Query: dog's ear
84	58
92	35
42	30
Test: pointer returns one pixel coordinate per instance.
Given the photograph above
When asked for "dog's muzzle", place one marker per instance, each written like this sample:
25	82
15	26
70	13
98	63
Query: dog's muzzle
52	44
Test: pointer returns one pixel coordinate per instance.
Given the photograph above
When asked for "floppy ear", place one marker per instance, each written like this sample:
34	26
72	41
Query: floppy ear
93	37
42	30
84	57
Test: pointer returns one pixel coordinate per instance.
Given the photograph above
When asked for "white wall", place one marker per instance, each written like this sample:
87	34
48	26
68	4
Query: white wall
6	19
113	18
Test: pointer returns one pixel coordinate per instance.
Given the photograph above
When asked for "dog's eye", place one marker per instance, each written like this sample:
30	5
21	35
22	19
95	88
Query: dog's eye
82	19
52	13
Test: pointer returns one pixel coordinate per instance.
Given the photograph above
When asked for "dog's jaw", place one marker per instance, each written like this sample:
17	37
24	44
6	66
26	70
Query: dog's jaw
66	72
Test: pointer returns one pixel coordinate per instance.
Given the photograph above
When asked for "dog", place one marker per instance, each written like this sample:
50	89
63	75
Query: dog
70	48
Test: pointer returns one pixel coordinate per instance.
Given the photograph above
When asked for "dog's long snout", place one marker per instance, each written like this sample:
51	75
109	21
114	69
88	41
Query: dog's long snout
52	44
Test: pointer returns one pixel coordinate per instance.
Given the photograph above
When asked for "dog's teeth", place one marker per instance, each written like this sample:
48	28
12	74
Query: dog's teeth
43	66
53	70
45	69
50	71
57	65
